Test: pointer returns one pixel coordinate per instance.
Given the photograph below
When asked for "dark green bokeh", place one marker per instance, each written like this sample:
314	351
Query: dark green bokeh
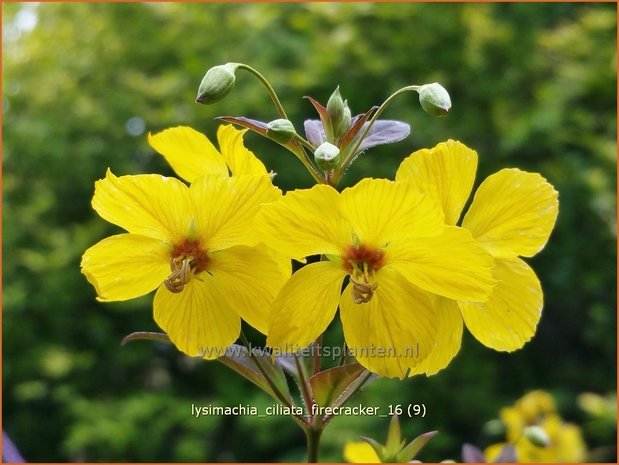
532	85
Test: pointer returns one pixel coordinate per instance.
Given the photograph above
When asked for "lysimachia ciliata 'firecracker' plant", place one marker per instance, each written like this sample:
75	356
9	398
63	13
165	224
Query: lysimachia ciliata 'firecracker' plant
394	256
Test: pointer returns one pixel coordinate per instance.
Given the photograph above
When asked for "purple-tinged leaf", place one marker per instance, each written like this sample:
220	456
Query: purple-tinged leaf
356	124
507	454
322	112
256	126
329	385
315	132
412	449
384	132
145	336
237	358
471	454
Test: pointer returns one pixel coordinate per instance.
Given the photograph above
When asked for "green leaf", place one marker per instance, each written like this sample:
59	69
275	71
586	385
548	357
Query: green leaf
329	385
394	438
377	448
413	448
238	359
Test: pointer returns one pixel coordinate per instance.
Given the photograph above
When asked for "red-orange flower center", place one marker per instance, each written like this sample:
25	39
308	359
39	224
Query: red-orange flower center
361	262
188	258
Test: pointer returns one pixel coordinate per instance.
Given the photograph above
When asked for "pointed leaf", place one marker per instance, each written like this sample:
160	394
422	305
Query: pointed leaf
394	438
507	454
322	112
314	131
238	359
413	448
471	454
145	336
256	126
385	131
328	385
288	364
357	123
376	446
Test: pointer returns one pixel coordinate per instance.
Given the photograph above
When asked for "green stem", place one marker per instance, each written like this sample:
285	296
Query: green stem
304	385
270	90
316	361
351	155
307	162
281	397
313	441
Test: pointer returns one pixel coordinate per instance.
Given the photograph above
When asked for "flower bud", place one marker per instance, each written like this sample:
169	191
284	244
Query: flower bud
339	113
281	130
537	436
434	99
216	83
327	156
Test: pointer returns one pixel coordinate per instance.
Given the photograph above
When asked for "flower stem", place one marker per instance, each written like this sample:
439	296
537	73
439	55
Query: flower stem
313	441
281	397
270	90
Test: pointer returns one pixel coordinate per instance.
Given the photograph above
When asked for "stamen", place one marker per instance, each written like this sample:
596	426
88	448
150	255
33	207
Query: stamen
182	268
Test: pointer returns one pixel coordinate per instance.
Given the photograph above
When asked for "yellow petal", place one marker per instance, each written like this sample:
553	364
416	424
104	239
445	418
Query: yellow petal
513	213
199	319
360	452
226	208
509	318
250	278
305	306
448	337
380	211
304	222
189	153
126	266
446	173
240	160
453	264
146	204
394	331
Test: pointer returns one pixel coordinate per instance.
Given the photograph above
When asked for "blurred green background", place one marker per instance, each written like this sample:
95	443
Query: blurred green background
533	86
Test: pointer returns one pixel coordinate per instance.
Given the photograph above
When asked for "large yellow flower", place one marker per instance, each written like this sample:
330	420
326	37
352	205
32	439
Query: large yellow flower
393	245
193	244
511	216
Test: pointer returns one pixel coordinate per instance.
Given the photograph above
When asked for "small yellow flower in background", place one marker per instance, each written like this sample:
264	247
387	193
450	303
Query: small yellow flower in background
392	244
512	215
191	154
192	244
360	452
537	408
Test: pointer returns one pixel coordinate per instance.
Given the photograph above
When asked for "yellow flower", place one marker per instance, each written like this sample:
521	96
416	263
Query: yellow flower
565	442
393	245
192	244
191	154
511	216
360	452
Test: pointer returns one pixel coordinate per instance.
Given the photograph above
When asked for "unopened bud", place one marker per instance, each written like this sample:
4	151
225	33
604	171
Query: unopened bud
281	130
217	83
434	99
339	113
327	156
537	436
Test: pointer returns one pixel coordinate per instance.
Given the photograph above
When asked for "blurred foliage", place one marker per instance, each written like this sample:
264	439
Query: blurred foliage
533	86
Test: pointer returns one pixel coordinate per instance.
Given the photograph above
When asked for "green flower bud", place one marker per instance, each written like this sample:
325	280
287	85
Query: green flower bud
339	113
217	83
281	130
537	436
327	156
434	99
